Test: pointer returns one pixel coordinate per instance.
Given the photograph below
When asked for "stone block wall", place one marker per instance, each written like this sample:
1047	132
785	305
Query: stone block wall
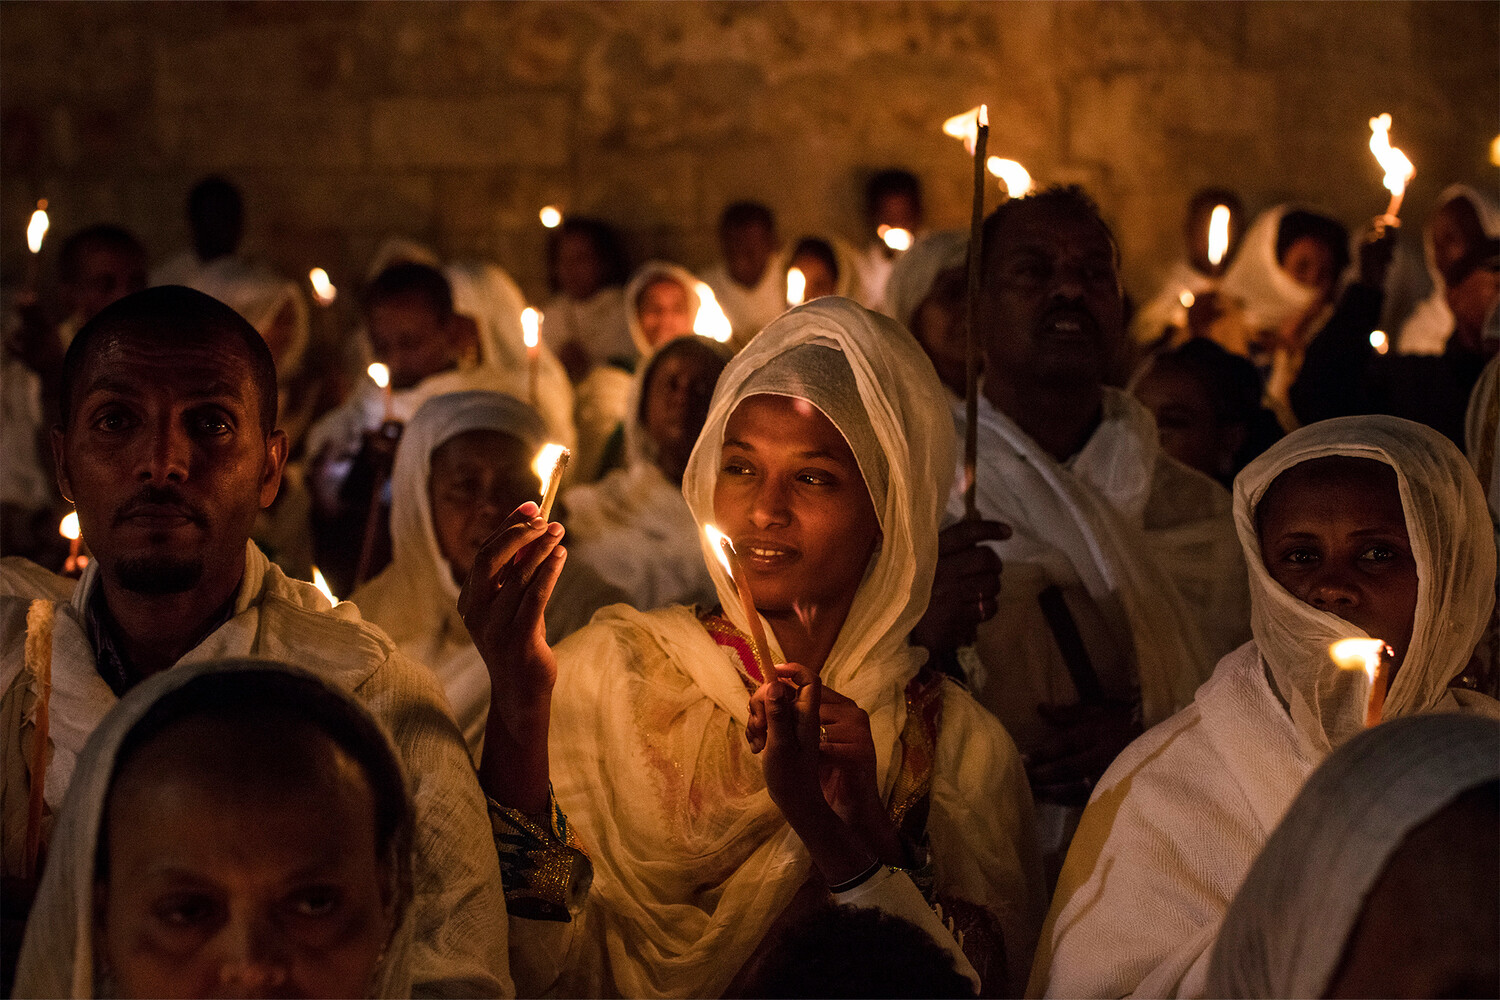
453	123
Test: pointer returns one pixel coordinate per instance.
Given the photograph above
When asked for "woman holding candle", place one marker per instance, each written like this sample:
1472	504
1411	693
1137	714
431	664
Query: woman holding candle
826	457
1361	526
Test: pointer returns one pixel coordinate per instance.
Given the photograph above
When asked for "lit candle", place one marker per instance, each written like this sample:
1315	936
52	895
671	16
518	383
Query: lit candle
710	320
1016	178
965	127
1398	169
69	530
724	548
551	216
549	466
1379	341
36	230
323	291
971	394
1370	656
1218	234
531	335
322	585
381	376
1187	298
37	653
796	286
895	237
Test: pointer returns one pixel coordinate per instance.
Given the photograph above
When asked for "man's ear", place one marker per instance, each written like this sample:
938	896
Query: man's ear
60	465
276	452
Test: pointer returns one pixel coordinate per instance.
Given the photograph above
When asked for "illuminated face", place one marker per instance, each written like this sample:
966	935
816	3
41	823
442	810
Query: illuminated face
1333	533
941	327
1051	309
224	887
409	337
820	280
666	310
477	479
791	497
165	458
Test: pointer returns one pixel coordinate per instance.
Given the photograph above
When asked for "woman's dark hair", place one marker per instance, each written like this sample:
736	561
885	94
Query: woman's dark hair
278	700
1331	233
812	246
614	268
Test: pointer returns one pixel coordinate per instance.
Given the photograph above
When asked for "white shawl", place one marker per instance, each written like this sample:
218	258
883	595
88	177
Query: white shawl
1269	295
648	273
57	958
1427	329
1289	924
692	860
913	273
1177	819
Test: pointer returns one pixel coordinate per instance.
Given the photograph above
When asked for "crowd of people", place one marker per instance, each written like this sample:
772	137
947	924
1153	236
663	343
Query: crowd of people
1062	724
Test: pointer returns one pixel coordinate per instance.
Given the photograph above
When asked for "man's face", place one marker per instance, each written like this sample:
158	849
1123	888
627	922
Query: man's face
165	459
1051	308
105	275
407	335
747	252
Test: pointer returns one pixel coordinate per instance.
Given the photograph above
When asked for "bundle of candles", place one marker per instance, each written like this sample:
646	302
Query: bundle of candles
1398	169
550	464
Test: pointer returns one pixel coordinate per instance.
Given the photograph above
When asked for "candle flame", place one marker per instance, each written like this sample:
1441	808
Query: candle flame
551	216
895	237
710	320
531	327
1218	234
1495	151
546	461
1379	341
796	286
379	374
1016	178
966	126
69	527
37	227
1187	298
1398	169
323	289
322	585
722	546
1358	654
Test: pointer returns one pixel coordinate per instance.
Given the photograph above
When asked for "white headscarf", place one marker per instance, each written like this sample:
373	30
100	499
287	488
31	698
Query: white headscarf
1427	329
905	434
1451	541
1291	920
415	598
914	272
692	860
1256	278
57	956
649	273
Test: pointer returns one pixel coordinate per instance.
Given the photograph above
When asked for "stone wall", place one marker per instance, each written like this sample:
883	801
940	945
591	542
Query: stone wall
453	123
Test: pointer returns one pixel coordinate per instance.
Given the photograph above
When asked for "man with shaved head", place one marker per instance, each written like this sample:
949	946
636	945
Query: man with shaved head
168	447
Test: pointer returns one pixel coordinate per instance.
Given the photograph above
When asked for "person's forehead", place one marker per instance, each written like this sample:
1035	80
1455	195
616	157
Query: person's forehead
1041	228
217	362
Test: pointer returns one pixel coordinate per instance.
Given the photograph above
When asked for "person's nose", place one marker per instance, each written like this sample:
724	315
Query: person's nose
252	957
1068	281
1333	589
166	454
771	504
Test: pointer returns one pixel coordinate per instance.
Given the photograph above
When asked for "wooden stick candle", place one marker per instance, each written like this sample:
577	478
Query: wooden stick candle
549	466
730	560
1398	169
971	388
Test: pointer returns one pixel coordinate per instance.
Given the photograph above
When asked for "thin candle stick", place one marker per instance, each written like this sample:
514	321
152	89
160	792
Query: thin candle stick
731	562
971	387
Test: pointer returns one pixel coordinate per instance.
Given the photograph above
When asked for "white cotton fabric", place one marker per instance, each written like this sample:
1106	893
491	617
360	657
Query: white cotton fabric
1286	931
692	861
415	598
1427	329
649	273
57	958
633	526
1269	295
597	324
458	926
1178	818
913	273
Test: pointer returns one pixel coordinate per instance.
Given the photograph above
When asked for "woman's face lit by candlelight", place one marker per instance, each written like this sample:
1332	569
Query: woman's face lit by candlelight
1333	533
477	478
665	310
791	496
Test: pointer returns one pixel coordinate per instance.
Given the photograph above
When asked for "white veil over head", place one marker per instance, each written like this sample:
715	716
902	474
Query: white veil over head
1288	926
1449	526
872	380
649	273
1270	295
57	956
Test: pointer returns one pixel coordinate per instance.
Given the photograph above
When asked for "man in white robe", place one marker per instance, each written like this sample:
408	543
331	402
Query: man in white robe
1122	578
749	282
168	449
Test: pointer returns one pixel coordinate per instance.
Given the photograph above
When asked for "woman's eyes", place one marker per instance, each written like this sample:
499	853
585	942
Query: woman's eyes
113	419
1300	557
315	901
188	910
1379	553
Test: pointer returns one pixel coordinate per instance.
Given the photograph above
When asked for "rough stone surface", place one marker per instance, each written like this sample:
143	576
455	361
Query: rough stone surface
453	123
